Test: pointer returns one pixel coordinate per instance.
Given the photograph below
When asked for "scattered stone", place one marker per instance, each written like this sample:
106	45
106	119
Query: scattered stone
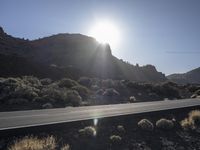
47	106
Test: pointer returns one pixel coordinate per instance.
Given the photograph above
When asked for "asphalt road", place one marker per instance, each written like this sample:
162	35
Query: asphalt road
20	119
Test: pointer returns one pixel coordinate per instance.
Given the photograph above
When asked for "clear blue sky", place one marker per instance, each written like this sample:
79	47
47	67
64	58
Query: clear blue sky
165	33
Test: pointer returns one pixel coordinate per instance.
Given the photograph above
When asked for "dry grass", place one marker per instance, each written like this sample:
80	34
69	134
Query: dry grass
194	117
193	120
34	143
65	147
186	125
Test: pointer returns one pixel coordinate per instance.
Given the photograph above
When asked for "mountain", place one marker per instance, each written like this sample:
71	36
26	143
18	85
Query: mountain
68	55
192	76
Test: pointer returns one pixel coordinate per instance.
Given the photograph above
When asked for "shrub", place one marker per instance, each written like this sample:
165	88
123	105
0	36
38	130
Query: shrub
34	143
108	83
65	147
186	124
85	81
74	98
83	91
88	131
164	124
51	94
194	117
17	101
31	81
146	125
68	83
115	139
46	81
193	120
24	91
110	92
121	129
132	99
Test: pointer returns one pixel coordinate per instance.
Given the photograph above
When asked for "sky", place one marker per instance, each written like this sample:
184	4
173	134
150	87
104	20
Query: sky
164	33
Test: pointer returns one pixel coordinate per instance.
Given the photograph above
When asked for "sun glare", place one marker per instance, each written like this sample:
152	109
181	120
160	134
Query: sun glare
105	32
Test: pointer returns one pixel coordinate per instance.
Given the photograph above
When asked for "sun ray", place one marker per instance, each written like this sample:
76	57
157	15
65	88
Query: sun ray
105	32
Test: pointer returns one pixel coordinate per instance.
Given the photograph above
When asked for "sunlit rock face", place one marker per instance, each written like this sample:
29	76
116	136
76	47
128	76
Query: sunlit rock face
188	77
73	55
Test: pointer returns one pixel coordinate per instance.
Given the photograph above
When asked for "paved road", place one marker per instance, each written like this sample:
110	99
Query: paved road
20	119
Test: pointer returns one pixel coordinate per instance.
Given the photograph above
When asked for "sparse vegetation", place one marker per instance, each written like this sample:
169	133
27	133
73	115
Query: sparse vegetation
193	120
88	131
34	143
164	124
83	91
115	139
121	129
73	98
145	125
65	147
68	83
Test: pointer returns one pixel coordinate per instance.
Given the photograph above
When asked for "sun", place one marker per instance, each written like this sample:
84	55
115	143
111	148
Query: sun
105	32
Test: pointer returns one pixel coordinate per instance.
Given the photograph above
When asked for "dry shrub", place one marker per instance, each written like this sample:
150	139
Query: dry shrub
34	143
193	120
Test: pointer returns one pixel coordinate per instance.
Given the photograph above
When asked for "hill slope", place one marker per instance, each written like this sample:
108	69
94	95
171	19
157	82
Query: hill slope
192	76
77	54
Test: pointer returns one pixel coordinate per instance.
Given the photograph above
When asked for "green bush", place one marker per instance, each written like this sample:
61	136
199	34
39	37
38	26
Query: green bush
51	94
108	83
145	125
31	81
165	124
68	83
46	81
74	98
83	91
24	91
17	101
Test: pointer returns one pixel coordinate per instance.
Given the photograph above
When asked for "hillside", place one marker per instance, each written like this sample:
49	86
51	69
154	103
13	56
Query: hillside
188	77
76	54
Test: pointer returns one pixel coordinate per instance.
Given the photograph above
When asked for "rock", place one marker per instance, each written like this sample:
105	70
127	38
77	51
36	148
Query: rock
47	106
132	99
111	92
193	96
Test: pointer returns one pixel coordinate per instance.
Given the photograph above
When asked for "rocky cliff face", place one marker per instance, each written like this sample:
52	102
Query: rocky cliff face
192	76
76	52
